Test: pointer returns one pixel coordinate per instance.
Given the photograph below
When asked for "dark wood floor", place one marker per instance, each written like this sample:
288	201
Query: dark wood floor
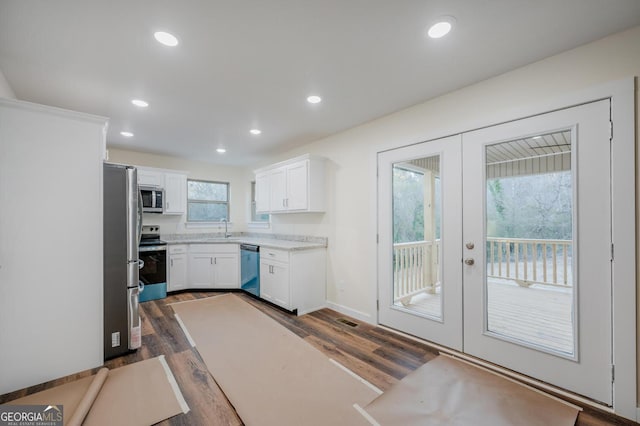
377	355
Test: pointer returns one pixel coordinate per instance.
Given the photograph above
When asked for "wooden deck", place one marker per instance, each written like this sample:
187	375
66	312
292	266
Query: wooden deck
539	316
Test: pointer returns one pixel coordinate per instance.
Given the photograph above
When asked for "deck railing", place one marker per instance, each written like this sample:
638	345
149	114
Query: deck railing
530	261
524	261
415	269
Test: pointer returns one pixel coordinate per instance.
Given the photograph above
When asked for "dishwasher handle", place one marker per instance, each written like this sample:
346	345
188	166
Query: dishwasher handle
250	247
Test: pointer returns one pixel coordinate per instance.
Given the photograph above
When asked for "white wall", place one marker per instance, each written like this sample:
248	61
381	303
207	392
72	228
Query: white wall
5	89
50	244
350	222
239	188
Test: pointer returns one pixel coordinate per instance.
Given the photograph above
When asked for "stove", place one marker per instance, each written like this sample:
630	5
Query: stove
150	237
153	254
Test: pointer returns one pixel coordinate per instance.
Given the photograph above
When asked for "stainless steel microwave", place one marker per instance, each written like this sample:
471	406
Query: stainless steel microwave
152	199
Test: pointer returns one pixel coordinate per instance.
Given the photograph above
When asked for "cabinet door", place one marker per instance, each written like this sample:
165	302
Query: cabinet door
297	186
266	281
278	189
281	294
150	178
201	270
177	272
274	283
175	193
262	193
226	271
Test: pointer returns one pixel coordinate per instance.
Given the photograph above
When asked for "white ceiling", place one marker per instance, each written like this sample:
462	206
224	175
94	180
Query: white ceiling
244	64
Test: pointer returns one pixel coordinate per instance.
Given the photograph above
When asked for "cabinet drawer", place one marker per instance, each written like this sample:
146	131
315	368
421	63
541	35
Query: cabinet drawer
177	249
274	254
226	248
201	248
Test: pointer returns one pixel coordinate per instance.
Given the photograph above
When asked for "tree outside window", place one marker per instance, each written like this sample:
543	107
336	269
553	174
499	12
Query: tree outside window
207	201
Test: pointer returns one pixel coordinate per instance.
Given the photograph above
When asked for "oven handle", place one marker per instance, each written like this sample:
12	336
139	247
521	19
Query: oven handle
143	249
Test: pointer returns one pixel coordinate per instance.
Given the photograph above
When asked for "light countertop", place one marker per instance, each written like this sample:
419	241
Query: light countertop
266	241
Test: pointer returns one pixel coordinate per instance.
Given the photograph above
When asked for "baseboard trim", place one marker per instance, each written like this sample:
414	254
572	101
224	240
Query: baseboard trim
351	312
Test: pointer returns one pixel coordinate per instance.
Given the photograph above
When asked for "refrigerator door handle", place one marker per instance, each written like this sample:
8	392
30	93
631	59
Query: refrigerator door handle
139	215
133	274
133	215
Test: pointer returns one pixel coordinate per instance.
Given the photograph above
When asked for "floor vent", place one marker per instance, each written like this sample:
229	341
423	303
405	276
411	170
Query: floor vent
347	322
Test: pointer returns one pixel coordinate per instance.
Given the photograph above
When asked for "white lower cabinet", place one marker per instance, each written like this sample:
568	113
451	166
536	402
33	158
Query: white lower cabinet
177	268
203	266
201	270
274	283
294	280
226	271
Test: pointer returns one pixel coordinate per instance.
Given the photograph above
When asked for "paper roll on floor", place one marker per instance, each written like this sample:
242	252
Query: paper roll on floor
89	397
156	396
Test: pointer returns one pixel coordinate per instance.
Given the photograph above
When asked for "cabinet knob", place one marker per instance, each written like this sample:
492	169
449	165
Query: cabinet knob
469	261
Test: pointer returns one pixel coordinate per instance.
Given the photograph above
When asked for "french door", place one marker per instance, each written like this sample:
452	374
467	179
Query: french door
497	243
419	249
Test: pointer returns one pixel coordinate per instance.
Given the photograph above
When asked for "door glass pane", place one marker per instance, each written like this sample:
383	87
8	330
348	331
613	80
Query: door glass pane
529	242
416	236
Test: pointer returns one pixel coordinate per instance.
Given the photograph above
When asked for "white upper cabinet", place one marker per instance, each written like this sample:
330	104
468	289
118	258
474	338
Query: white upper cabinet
175	193
278	190
148	177
296	185
174	184
263	203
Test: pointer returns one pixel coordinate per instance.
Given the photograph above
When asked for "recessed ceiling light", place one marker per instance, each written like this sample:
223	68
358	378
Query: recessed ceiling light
221	150
166	38
127	134
442	27
255	131
314	99
140	103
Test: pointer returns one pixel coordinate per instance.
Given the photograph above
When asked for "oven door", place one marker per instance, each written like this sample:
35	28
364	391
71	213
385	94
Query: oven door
154	270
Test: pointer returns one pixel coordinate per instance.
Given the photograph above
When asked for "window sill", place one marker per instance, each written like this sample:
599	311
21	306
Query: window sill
216	225
259	225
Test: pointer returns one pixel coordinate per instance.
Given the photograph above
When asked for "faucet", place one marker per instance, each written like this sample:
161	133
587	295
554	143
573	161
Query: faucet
227	234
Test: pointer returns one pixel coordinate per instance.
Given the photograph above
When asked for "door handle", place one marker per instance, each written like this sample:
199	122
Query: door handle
469	261
171	262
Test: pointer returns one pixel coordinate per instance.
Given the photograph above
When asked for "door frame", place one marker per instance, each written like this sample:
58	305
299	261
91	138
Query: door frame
624	297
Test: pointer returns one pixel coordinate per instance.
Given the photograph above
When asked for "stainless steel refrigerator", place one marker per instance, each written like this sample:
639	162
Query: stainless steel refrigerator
122	226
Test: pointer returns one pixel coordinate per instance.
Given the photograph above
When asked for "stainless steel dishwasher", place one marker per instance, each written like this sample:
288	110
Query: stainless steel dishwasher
250	268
